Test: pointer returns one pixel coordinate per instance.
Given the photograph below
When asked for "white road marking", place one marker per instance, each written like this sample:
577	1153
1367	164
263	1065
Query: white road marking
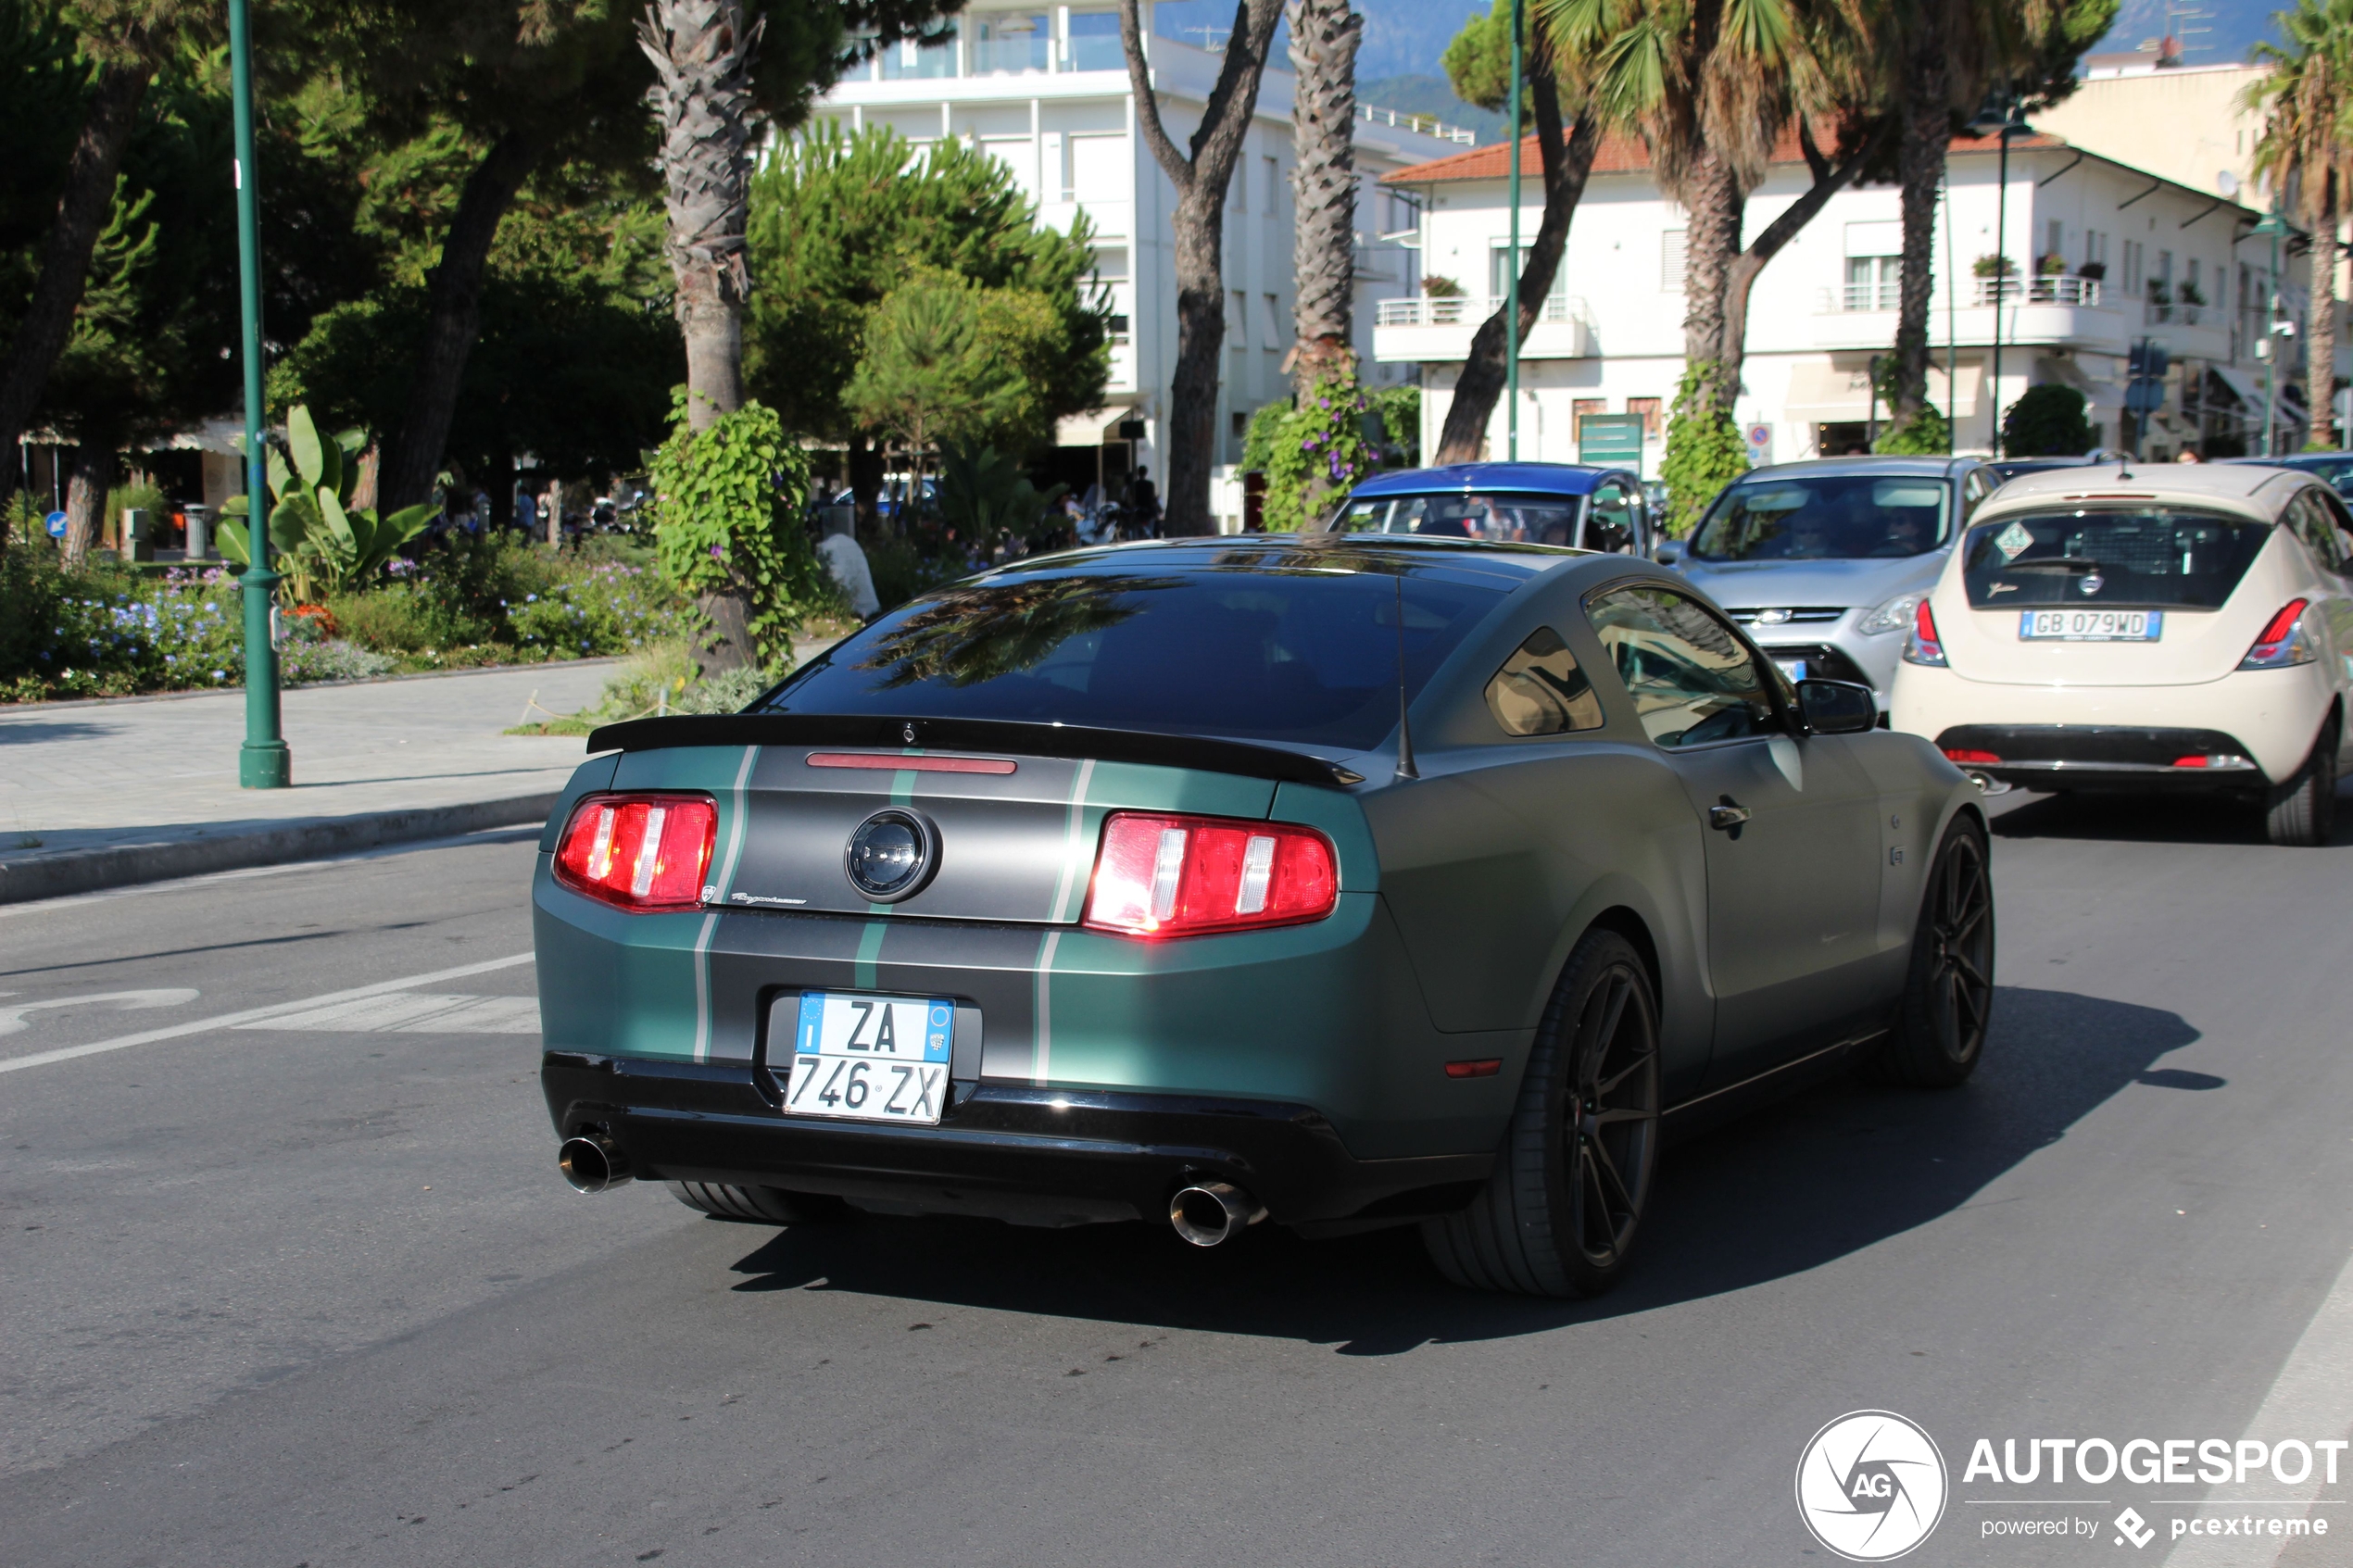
2308	1400
416	1012
255	1015
12	1020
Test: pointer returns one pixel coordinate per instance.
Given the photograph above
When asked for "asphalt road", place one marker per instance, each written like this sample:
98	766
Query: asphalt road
307	1289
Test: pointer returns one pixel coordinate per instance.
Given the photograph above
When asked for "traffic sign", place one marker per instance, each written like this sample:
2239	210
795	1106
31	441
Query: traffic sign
1613	440
56	522
2144	394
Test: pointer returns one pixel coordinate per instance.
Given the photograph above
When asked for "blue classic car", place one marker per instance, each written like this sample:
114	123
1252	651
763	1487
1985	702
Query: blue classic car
1594	508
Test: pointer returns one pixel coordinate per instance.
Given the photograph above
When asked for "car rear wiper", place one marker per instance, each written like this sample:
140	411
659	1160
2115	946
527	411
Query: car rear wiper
2053	563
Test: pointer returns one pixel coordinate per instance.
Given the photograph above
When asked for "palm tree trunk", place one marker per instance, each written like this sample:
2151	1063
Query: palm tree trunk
1740	277
453	318
86	486
1925	136
47	321
2319	370
1711	239
1199	227
1567	165
702	51
1324	37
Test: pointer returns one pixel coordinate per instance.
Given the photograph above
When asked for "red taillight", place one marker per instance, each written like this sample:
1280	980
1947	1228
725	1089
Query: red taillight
1158	875
639	851
1923	647
2191	761
2282	642
1964	754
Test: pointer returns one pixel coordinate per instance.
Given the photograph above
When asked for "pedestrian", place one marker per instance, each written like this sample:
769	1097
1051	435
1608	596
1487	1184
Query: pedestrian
2189	454
846	562
1142	503
526	513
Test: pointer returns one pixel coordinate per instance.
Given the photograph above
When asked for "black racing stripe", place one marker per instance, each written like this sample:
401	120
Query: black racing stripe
971	734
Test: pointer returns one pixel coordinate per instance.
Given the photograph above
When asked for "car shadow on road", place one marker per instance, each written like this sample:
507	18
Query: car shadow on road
2148	819
1789	1188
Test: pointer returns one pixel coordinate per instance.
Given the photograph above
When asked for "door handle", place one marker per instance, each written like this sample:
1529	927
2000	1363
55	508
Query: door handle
1728	817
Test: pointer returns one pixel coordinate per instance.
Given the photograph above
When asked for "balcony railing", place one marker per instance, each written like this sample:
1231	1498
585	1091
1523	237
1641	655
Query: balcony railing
1426	124
2049	289
1862	297
1418	311
2159	314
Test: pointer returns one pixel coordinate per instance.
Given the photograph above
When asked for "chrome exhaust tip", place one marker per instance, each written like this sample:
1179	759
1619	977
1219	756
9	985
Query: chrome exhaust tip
1988	785
1208	1212
592	1163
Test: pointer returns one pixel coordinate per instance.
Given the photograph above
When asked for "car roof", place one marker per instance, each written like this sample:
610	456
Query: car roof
1545	478
1940	468
2241	484
1407	555
2294	461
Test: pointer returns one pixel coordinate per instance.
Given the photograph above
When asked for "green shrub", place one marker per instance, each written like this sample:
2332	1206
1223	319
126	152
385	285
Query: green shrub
1925	436
1704	452
2047	422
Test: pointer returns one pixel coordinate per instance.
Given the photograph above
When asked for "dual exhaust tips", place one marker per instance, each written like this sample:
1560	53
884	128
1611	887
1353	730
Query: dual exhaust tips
1205	1213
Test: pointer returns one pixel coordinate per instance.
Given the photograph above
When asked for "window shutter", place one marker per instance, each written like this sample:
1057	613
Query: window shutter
1670	262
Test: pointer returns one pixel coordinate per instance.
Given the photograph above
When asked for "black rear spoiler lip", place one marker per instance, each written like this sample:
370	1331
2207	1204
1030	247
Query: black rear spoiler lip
974	734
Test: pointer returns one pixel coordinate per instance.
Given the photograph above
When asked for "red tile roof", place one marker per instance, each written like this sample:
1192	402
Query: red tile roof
1622	154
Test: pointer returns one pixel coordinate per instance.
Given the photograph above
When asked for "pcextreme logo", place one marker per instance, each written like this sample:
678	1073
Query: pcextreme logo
1871	1486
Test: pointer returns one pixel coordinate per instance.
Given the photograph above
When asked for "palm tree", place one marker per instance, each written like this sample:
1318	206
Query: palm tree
1939	58
1199	229
2306	100
1324	36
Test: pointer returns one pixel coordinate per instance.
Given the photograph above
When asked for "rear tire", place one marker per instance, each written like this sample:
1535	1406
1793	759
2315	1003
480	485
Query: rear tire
758	1206
1948	995
2302	812
1560	1213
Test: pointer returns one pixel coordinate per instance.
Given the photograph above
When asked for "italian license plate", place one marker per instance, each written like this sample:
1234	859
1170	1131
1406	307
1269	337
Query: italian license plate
2091	625
860	1058
1793	668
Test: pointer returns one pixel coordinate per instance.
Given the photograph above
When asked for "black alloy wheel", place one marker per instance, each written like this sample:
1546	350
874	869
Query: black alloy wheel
2301	813
1560	1213
1948	998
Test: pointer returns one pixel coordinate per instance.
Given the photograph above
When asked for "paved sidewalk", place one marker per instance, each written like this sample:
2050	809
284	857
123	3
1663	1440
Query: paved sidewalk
96	794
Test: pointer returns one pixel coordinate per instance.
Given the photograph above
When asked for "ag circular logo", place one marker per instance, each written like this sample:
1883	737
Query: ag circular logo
892	856
1871	1486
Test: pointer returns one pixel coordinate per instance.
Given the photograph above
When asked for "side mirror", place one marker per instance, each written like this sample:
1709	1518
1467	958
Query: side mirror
1836	707
1668	553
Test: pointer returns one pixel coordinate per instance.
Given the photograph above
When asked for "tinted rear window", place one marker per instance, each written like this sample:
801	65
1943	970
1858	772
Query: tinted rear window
2179	557
1826	516
1308	656
1523	519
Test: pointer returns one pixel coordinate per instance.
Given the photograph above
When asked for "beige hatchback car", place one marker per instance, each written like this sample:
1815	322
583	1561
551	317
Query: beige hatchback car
2145	628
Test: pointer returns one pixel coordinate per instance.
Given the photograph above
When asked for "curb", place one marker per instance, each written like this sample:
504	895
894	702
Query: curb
8	708
308	838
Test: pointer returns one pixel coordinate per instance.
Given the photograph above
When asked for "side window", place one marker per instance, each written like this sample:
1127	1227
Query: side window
1540	690
1609	519
2336	521
2309	516
1975	488
1691	678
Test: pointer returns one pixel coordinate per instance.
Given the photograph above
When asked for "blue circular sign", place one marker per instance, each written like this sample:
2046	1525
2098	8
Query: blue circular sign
56	522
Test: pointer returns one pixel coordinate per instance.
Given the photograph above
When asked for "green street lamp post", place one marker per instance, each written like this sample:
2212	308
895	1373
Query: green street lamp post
1511	294
2271	227
264	762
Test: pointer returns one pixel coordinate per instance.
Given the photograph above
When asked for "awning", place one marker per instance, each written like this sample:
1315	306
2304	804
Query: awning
2250	396
1828	394
1097	427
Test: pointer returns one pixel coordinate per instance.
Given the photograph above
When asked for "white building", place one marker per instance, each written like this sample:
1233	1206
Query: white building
2141	256
1045	88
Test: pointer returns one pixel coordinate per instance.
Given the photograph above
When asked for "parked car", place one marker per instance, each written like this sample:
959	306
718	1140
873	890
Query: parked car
2146	627
1340	880
2010	468
1592	509
1824	561
2337	467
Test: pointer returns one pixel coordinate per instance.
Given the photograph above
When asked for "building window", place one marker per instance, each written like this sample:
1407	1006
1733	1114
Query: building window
1579	409
1651	409
902	62
1273	171
1237	317
2134	279
2094	248
1240	192
2055	239
1670	261
1098	167
1094	42
1873	282
1010	43
1500	272
1271	332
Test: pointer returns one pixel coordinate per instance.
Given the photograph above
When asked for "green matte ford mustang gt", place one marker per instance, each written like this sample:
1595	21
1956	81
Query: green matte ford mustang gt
1338	880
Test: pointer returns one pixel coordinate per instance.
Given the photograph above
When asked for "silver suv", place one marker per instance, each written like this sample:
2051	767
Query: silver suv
1826	563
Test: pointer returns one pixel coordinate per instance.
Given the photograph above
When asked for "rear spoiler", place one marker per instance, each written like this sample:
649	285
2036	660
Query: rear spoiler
972	734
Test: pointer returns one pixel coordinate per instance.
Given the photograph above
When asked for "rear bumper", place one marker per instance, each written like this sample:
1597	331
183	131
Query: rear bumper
1030	1155
2104	756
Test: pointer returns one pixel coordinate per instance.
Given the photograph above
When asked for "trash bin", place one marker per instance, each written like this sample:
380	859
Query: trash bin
138	539
199	518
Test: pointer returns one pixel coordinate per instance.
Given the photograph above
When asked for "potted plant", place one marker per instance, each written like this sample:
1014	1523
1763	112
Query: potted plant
2095	270
1990	266
2191	295
1438	287
2160	293
2050	264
